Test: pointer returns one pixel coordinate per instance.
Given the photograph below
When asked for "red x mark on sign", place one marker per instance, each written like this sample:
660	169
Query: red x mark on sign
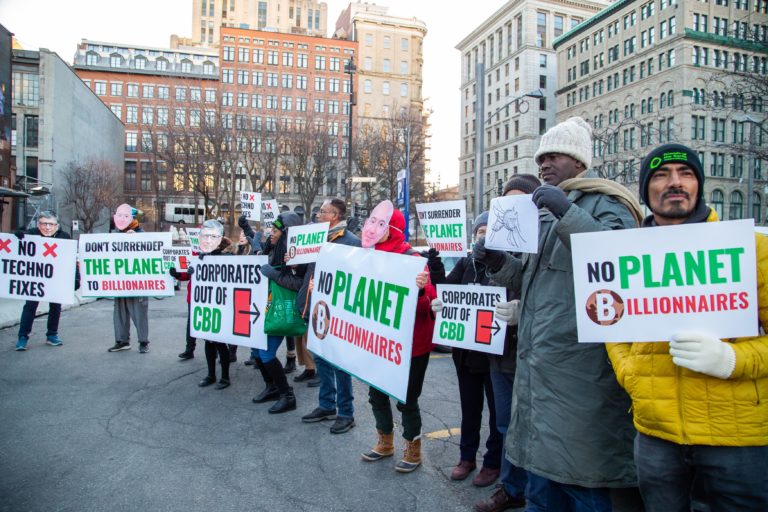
50	249
267	205
4	245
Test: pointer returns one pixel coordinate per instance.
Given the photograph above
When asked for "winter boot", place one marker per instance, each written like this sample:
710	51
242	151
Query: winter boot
270	392
232	353
287	402
411	456
385	447
290	365
189	352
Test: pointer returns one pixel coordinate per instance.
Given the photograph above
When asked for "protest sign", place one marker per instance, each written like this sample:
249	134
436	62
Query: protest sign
305	242
194	239
444	225
467	319
177	257
269	212
38	268
647	284
228	299
362	314
120	265
250	204
513	224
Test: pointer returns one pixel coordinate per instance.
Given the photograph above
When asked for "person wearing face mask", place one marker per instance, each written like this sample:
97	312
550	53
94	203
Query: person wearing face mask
127	308
48	226
383	230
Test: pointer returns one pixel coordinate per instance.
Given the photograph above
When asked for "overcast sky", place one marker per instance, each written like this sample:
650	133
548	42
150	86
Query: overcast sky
60	24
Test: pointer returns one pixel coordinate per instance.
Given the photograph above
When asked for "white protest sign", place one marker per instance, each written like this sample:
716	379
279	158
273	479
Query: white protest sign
250	204
38	268
193	234
363	312
444	225
467	319
124	265
305	242
227	300
513	224
269	212
177	257
647	284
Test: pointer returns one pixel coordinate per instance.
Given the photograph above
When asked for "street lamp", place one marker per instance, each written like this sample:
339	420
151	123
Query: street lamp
350	69
751	172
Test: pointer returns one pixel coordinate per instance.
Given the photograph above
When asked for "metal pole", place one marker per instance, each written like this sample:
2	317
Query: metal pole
407	184
479	136
348	188
751	177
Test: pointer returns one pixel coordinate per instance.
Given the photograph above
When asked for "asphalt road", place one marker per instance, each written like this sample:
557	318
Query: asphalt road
82	429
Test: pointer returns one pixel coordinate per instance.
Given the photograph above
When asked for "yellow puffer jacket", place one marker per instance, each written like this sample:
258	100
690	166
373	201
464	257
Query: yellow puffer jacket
687	407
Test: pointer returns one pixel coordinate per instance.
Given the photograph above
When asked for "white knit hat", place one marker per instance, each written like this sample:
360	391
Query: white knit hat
572	137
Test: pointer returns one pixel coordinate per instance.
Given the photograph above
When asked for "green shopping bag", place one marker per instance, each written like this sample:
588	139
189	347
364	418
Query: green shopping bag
283	319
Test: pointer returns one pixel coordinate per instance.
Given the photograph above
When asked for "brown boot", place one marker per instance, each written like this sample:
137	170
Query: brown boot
385	447
411	456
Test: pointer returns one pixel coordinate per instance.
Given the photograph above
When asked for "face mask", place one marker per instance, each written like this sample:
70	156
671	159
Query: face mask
123	216
377	224
47	227
209	240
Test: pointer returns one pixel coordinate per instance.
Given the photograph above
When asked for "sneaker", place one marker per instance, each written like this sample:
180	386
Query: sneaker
319	414
143	347
342	425
119	345
21	345
53	340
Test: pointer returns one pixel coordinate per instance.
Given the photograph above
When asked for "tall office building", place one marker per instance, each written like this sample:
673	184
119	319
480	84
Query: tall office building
650	72
514	45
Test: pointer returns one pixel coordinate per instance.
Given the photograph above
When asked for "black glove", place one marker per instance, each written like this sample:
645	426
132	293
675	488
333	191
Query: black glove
552	198
242	222
77	284
174	273
270	272
19	234
201	256
434	261
190	271
491	258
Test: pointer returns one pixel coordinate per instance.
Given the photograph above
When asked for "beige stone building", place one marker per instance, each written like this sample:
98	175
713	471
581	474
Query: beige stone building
305	17
650	72
515	46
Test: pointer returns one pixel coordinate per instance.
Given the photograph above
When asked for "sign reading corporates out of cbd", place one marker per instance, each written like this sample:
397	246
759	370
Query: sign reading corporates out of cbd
305	242
250	203
362	314
647	284
124	265
38	268
228	298
178	257
468	320
444	225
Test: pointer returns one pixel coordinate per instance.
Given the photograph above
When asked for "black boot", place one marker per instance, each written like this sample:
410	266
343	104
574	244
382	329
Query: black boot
287	400
189	352
270	392
290	365
232	353
286	403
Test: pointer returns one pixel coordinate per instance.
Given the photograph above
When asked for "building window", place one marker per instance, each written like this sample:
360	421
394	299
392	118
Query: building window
367	86
161	65
385	88
541	29
131	139
115	61
208	68
736	209
228	53
91	59
116	88
148	91
130	176
100	87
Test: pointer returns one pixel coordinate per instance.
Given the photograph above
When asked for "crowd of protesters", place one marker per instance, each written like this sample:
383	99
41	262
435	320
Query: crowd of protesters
571	426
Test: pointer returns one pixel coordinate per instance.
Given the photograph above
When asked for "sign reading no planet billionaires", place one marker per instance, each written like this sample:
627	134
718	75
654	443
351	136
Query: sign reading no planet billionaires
250	203
362	315
305	242
647	284
120	265
38	268
228	298
444	226
467	319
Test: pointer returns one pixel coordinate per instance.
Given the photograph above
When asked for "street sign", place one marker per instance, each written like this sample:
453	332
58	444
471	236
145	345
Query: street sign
362	179
401	188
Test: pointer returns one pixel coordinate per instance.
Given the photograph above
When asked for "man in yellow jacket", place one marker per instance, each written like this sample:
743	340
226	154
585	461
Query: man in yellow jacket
700	403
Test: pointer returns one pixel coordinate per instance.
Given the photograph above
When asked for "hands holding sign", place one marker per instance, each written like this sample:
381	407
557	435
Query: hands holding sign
703	353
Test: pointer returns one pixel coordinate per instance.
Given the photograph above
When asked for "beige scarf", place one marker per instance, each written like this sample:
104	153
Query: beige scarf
607	187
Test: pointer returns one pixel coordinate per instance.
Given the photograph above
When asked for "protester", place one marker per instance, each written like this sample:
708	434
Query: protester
213	243
335	397
48	226
127	308
290	278
473	374
570	420
384	231
696	399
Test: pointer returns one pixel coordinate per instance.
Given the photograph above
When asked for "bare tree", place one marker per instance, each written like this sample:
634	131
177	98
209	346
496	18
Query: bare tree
91	188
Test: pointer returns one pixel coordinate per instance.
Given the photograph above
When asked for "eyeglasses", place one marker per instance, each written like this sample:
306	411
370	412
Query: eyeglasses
48	224
210	237
326	212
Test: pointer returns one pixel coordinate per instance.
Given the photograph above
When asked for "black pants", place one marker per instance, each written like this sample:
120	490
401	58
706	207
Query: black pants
382	410
191	340
472	387
211	349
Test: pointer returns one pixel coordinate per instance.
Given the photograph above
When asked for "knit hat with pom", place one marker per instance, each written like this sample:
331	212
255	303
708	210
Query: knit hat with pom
572	137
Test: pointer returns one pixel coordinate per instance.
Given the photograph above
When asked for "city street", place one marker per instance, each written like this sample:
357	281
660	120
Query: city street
82	429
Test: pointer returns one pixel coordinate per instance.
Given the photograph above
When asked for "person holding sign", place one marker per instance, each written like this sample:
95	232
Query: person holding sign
48	226
384	231
569	416
696	399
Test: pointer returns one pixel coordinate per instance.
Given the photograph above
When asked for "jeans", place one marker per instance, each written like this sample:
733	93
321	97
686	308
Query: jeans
550	496
28	316
732	477
382	410
273	343
513	478
335	389
472	388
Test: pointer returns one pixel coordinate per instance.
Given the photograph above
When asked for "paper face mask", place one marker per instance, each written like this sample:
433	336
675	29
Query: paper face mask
47	227
209	240
123	216
377	224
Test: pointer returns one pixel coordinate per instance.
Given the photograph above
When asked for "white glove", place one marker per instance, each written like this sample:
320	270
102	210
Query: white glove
437	305
703	353
508	311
